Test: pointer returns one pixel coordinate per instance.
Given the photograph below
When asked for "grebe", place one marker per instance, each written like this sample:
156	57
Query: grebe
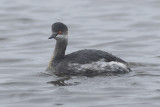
85	62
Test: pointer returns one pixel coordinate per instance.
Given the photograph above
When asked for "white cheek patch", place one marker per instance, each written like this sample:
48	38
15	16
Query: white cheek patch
61	37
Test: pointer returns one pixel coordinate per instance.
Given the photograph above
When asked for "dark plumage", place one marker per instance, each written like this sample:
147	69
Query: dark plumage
89	55
83	62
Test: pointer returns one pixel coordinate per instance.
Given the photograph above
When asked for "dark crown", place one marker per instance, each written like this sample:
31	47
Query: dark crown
58	26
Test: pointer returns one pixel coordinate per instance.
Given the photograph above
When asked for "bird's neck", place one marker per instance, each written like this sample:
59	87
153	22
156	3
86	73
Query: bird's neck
60	48
59	52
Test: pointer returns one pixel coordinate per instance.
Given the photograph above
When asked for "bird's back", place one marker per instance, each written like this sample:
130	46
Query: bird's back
89	55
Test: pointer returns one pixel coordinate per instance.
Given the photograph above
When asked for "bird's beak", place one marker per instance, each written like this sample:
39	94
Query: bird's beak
53	35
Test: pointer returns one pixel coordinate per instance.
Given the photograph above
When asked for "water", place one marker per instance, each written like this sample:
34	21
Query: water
126	28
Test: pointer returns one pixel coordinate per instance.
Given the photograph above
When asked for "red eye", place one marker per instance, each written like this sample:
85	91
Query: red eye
59	32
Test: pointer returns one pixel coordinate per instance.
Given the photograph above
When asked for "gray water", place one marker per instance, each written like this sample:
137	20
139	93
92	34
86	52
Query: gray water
129	29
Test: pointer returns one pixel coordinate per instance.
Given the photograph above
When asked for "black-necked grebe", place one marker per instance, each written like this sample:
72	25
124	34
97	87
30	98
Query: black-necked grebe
85	62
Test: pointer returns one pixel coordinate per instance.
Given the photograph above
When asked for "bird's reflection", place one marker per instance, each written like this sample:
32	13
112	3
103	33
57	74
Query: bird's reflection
63	82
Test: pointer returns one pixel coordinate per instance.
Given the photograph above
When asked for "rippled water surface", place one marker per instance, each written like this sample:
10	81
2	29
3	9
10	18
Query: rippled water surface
129	29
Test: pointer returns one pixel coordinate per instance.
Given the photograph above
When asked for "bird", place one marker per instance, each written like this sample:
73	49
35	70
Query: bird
86	62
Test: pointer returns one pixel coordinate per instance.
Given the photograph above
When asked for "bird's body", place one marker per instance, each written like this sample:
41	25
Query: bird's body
86	62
